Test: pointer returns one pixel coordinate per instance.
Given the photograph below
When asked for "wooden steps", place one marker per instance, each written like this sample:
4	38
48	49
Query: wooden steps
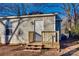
34	47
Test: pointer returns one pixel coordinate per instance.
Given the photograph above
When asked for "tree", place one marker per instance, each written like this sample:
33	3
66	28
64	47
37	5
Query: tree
71	10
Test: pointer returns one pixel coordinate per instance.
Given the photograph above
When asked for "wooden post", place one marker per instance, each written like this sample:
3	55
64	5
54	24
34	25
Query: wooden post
58	43
31	36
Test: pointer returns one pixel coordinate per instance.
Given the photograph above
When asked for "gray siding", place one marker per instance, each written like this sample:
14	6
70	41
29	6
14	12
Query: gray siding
27	25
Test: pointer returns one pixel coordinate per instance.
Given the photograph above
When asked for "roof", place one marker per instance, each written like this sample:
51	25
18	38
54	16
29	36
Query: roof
28	16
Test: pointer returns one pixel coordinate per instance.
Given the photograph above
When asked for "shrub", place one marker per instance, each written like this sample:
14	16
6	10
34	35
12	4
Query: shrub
75	30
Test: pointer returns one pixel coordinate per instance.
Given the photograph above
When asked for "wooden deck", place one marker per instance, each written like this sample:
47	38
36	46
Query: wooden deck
35	43
49	40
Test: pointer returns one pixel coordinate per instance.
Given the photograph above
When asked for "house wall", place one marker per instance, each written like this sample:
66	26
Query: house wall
27	24
2	32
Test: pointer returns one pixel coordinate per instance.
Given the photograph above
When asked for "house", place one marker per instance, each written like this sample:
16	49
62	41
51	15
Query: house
66	25
44	28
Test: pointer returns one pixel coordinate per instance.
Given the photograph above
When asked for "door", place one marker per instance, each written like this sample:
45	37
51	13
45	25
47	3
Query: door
39	27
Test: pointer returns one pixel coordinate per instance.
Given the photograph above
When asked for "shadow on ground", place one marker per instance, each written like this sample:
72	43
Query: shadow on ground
68	41
70	52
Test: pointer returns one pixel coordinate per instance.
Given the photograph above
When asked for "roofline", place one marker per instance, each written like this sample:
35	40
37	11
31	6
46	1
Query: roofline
28	16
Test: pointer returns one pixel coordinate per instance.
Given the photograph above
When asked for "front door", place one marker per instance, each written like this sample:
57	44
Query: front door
39	27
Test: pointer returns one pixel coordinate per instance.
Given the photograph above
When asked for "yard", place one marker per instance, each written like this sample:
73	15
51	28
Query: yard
68	48
18	51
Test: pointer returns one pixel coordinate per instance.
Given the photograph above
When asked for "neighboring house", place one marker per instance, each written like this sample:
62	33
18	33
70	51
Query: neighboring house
32	28
65	25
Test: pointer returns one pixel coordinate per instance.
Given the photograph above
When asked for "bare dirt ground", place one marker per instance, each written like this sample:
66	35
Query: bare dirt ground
69	49
18	51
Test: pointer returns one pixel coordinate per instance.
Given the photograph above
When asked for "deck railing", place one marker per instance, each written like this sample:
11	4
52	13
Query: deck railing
31	36
50	39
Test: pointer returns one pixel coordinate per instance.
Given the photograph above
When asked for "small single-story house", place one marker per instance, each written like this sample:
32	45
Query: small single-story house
43	28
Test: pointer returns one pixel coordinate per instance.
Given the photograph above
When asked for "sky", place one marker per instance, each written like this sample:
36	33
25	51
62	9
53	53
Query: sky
10	9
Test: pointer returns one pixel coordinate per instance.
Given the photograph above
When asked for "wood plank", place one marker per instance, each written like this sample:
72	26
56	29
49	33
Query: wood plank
35	43
34	47
31	36
32	50
49	39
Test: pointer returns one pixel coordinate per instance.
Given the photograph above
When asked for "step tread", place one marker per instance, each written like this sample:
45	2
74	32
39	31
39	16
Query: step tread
33	47
32	50
35	44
